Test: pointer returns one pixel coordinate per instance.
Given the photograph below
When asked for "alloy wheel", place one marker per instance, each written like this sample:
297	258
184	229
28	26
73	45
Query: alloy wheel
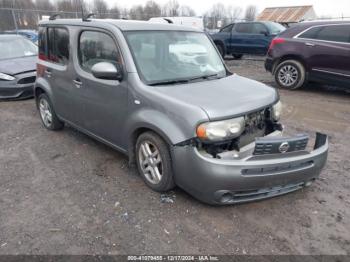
150	162
45	112
288	75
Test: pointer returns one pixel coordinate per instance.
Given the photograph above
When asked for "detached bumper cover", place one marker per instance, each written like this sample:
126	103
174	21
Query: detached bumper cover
219	181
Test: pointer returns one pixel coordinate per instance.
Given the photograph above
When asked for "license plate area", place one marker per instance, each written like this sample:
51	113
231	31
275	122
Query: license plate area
280	145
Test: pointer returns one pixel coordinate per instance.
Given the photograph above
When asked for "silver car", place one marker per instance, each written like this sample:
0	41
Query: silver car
162	95
18	57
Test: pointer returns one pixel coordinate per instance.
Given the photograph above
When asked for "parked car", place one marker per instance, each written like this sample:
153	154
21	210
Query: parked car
133	86
312	51
32	35
18	58
246	38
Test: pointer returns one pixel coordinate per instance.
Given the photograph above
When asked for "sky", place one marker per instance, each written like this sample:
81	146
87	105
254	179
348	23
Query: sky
334	8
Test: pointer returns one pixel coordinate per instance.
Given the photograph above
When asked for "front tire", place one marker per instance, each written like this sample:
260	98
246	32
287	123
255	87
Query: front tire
290	74
47	113
154	162
237	56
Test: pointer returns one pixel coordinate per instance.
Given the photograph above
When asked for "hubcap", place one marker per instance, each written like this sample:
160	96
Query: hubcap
150	162
45	112
288	75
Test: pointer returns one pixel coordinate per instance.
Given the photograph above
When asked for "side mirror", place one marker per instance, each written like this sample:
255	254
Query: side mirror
106	70
265	33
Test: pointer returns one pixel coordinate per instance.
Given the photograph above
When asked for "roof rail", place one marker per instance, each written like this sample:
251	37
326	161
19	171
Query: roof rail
54	16
88	16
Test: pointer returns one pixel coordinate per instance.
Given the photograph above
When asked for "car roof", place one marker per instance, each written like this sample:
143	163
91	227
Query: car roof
300	27
123	25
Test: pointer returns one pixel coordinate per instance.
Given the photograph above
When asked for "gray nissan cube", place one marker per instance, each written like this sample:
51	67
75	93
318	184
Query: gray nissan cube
162	95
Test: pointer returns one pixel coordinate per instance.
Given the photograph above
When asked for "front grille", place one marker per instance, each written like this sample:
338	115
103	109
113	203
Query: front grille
277	169
250	195
27	80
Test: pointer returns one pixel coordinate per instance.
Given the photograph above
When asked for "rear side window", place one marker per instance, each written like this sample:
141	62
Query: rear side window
58	45
244	28
335	33
42	43
95	47
258	28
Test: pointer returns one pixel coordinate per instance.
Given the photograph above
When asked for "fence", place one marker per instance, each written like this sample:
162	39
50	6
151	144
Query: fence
14	19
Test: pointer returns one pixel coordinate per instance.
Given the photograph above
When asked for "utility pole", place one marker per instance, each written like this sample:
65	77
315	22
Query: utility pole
14	15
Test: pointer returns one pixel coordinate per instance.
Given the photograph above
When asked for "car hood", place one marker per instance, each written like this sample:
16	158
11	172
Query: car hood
18	65
223	98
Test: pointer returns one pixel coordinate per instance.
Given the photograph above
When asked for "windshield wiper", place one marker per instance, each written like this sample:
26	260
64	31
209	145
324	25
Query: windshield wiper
181	81
202	77
169	82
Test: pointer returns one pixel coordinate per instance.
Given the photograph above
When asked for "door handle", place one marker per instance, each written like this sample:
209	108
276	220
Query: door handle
77	83
48	73
310	44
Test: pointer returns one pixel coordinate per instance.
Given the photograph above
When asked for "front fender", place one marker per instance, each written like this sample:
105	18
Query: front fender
159	122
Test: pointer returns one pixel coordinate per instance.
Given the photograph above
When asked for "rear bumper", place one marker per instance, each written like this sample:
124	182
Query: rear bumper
219	181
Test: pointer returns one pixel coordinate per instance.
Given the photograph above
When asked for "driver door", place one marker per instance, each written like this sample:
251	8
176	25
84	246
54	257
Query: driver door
104	101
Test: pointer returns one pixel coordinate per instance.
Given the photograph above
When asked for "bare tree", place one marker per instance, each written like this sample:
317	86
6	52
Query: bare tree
234	13
250	13
100	8
217	13
136	12
171	8
115	12
185	10
44	5
151	9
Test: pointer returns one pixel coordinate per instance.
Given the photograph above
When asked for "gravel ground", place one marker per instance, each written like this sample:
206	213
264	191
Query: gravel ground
64	193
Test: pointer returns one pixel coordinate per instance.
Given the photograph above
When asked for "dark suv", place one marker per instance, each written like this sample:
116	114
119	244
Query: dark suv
314	51
246	38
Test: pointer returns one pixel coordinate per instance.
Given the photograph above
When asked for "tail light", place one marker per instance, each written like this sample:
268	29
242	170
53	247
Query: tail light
276	41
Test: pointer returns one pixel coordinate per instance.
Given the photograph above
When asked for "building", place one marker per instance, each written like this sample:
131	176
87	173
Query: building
288	14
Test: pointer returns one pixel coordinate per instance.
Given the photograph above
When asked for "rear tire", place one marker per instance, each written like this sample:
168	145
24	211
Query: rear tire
290	74
221	50
237	56
154	162
47	113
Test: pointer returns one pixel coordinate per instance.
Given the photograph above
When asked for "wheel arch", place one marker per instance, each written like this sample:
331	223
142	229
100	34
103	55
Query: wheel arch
42	86
296	57
140	130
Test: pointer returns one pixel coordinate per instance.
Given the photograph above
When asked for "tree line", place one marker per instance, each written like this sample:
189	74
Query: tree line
27	13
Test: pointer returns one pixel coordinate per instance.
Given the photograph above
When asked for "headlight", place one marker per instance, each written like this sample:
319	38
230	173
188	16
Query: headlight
277	111
221	130
6	77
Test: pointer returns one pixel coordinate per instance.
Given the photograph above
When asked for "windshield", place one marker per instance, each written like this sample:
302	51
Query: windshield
16	46
166	56
275	28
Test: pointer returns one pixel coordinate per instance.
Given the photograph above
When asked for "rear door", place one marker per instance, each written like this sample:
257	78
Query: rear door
250	38
328	50
104	101
59	74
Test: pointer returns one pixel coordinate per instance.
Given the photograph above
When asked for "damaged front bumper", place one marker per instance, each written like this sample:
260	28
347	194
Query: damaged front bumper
245	176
